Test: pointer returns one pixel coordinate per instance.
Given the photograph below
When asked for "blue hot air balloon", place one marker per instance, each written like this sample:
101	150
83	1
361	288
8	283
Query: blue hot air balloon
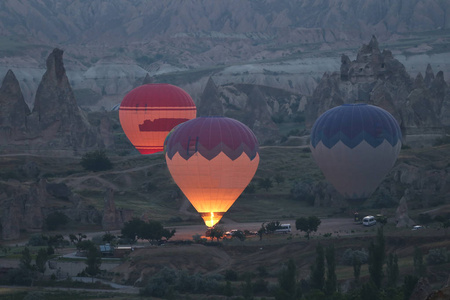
355	146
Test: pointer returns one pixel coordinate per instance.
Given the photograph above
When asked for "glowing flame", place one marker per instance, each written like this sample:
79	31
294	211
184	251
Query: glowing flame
211	218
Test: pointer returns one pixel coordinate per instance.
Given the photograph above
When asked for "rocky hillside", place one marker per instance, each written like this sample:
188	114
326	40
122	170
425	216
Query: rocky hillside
421	105
117	23
56	122
112	45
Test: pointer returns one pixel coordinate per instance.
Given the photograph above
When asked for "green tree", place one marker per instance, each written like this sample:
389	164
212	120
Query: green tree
96	161
265	183
228	290
272	226
93	261
446	225
420	269
331	281
108	238
279	178
261	231
318	269
217	232
55	220
25	259
132	229
369	291
56	241
377	258
41	260
392	269
76	239
356	267
307	225
287	282
409	283
247	288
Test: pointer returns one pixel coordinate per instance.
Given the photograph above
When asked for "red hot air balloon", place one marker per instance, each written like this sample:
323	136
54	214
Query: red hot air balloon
212	160
149	112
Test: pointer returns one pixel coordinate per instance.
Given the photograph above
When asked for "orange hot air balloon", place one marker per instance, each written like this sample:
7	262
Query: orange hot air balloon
149	112
212	160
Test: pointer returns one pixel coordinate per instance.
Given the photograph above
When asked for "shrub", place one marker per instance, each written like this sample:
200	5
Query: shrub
38	240
96	161
360	255
425	218
437	256
56	220
231	275
169	280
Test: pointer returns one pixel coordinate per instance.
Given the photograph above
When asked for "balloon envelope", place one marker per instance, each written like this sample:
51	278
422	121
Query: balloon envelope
212	160
148	113
355	146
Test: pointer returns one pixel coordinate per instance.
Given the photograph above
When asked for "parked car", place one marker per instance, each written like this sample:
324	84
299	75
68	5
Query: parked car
369	221
232	232
417	227
284	228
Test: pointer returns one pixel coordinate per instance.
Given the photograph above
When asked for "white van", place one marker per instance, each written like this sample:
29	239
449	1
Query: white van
369	221
284	228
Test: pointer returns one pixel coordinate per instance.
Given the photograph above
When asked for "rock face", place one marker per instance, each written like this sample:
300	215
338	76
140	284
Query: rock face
254	105
401	214
56	121
376	77
421	290
210	104
26	207
13	111
56	112
112	217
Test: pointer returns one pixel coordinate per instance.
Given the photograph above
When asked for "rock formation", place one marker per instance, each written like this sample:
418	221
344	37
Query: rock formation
421	106
13	111
210	103
56	122
258	116
421	290
112	217
57	114
25	207
401	214
148	79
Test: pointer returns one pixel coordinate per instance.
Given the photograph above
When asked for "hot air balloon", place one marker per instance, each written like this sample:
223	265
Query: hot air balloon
148	113
212	160
355	146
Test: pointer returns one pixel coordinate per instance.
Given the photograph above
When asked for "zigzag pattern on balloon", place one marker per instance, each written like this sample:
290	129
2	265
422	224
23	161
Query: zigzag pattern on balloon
340	136
210	136
353	123
186	153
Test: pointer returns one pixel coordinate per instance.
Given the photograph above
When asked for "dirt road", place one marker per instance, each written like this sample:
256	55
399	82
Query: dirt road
342	226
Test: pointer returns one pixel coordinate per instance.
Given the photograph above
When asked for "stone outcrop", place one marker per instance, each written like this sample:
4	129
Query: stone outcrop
254	105
210	103
421	290
421	106
55	123
25	207
13	111
56	113
401	214
258	116
112	217
148	79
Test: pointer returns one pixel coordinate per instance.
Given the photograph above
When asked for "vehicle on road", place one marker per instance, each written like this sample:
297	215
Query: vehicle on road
369	221
284	228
